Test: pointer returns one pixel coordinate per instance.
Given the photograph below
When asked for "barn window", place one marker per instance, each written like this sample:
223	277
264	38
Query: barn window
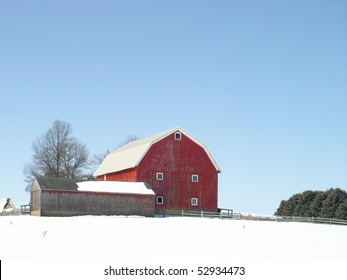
194	201
195	178
160	200
160	176
178	136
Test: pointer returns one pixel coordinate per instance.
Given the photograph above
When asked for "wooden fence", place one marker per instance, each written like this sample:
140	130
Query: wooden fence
223	214
201	214
331	221
238	216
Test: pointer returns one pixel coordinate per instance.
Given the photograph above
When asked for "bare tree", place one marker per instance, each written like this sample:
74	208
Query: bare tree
75	159
57	154
126	140
98	159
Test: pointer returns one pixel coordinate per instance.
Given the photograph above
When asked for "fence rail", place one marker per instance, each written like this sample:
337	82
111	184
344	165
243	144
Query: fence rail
202	214
331	221
239	216
316	220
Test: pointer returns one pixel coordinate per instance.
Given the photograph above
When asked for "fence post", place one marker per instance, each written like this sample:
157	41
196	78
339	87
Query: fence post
202	214
182	212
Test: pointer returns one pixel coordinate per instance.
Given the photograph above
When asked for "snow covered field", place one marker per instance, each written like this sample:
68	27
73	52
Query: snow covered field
103	241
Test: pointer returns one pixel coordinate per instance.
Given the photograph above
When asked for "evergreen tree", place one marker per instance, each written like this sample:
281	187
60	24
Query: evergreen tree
329	204
341	211
305	201
283	209
335	197
317	204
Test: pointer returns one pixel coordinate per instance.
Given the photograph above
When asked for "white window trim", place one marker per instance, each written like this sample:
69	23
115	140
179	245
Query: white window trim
157	200
177	133
197	178
158	175
194	201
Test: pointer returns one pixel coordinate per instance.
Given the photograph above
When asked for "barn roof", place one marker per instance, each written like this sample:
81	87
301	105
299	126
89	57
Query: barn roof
131	154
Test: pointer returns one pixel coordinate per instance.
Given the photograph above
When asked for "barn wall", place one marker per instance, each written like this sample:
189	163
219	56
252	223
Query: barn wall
178	160
125	175
71	203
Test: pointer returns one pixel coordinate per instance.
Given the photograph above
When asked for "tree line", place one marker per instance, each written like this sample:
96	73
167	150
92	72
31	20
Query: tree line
331	203
56	153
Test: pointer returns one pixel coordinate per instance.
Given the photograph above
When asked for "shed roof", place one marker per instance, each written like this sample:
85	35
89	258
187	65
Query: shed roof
53	183
130	155
63	184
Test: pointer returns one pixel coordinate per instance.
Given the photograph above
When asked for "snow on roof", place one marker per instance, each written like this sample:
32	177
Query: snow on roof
130	155
115	187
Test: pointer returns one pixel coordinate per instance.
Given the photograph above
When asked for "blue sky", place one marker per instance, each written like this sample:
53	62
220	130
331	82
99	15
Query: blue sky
262	83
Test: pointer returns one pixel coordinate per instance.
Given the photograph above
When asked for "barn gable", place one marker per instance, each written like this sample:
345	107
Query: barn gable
130	155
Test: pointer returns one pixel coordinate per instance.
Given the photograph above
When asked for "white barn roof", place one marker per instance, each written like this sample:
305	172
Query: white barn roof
114	187
131	154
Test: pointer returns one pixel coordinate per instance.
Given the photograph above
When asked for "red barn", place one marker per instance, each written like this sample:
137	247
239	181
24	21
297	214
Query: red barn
178	167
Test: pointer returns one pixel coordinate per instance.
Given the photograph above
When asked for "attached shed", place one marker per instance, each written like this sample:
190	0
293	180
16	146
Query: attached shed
67	197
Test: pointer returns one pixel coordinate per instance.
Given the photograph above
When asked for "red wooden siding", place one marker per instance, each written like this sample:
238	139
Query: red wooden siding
125	175
178	160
